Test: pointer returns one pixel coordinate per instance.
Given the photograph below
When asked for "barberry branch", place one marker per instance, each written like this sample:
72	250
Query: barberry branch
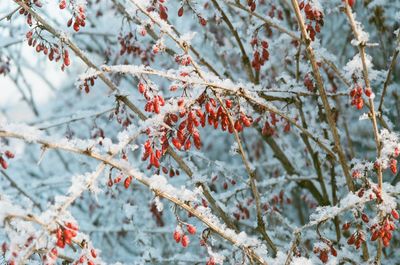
215	226
322	92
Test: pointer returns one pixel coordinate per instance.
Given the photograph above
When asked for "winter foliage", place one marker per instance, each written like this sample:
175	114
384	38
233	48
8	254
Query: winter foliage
199	132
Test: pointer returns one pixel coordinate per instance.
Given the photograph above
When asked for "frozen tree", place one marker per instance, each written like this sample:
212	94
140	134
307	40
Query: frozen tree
199	132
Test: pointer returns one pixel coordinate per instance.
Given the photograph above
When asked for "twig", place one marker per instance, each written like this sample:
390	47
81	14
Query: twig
324	98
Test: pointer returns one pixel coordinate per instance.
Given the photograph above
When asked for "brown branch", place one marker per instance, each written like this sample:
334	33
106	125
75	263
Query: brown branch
126	101
389	73
245	58
227	234
324	98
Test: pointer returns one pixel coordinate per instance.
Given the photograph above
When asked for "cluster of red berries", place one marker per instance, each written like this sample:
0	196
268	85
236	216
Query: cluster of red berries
88	259
187	131
184	60
242	212
130	46
269	127
158	5
51	257
49	49
154	102
273	10
313	15
183	238
78	18
392	161
356	239
171	172
202	20
126	44
392	165
87	83
225	184
323	252
65	234
24	12
356	97
216	114
261	54
127	181
385	229
8	154
152	154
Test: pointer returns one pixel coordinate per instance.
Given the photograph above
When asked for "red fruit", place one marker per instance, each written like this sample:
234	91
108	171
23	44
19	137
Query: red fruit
90	262
191	229
333	252
67	62
93	252
60	243
351	240
368	92
238	126
386	241
177	236
3	163
346	226
76	26
62	4
246	121
180	11
127	182
185	241
375	235
395	214
203	21
188	144
393	166
323	256
365	218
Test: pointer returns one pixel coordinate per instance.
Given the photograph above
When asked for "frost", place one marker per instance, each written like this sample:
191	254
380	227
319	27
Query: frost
354	67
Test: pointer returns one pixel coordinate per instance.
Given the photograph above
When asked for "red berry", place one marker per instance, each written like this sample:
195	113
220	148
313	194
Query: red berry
3	163
395	214
62	4
93	252
393	166
185	241
191	229
180	12
365	218
368	92
177	236
323	256
346	226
